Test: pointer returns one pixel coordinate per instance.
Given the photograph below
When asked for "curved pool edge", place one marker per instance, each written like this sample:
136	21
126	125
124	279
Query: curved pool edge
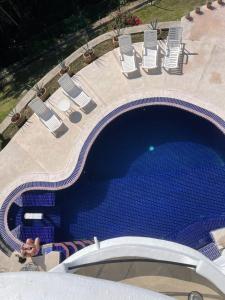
6	234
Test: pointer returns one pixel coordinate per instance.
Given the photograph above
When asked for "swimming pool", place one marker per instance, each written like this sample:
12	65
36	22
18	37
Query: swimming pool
156	171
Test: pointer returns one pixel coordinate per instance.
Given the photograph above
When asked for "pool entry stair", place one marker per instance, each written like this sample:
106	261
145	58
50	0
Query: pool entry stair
66	248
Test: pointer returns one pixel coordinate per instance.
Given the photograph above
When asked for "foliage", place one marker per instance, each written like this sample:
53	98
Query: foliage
38	88
26	26
86	47
62	64
118	22
154	24
35	68
133	21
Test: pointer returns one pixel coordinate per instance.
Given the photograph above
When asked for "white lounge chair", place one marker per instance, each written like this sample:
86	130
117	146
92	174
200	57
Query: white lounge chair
150	50
75	93
175	34
45	114
127	54
171	59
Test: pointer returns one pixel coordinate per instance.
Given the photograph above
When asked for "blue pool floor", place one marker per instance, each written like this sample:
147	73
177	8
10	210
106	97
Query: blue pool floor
156	172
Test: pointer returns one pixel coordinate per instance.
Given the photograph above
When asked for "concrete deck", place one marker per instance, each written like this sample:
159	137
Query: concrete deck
35	154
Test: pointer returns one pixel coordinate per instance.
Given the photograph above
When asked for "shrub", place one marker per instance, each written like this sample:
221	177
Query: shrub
133	21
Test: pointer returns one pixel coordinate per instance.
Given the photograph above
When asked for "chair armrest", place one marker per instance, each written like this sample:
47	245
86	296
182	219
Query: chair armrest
143	50
77	83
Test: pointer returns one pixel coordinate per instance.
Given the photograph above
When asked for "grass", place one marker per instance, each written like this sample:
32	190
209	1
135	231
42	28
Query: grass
10	94
53	85
25	78
6	106
167	10
164	10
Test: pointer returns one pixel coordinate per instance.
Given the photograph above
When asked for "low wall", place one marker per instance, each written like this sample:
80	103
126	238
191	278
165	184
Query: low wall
75	55
158	250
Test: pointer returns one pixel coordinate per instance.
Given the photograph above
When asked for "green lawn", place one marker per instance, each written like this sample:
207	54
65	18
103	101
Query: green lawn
6	105
164	10
167	10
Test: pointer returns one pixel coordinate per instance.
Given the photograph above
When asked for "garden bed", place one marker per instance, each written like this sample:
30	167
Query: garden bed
75	67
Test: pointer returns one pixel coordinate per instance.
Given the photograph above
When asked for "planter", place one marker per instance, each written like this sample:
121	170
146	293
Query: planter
188	17
198	10
43	95
18	119
89	56
159	32
64	71
209	4
115	41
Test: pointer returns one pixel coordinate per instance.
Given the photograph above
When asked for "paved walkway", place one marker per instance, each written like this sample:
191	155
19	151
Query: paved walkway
35	154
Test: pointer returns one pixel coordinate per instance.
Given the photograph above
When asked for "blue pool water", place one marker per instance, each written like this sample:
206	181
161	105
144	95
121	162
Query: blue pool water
156	172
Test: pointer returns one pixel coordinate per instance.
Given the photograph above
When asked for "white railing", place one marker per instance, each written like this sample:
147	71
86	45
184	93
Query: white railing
149	248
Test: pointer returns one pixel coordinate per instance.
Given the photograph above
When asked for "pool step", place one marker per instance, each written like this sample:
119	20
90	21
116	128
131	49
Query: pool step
66	248
211	251
36	198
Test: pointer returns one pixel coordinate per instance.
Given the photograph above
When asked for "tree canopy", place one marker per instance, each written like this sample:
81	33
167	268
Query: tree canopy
25	21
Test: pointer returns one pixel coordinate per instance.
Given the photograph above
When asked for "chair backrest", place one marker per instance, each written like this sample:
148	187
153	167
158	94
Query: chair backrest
40	109
67	84
125	44
175	33
173	44
150	39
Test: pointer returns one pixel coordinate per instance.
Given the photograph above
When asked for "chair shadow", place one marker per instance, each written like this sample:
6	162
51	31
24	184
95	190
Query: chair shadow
212	8
61	131
75	117
137	73
187	53
90	107
200	13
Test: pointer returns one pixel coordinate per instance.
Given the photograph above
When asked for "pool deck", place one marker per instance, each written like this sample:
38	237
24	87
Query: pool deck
35	154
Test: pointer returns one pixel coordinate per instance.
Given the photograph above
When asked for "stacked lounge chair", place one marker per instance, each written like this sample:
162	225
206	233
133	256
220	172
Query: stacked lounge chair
173	48
127	54
175	34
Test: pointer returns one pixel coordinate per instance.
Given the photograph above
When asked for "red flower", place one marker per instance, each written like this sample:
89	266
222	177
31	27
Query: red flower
133	20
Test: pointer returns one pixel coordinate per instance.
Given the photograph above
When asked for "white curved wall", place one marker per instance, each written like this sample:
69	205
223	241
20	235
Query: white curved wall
146	248
49	286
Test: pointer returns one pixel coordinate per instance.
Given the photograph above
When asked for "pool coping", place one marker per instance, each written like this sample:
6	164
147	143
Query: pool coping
11	241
